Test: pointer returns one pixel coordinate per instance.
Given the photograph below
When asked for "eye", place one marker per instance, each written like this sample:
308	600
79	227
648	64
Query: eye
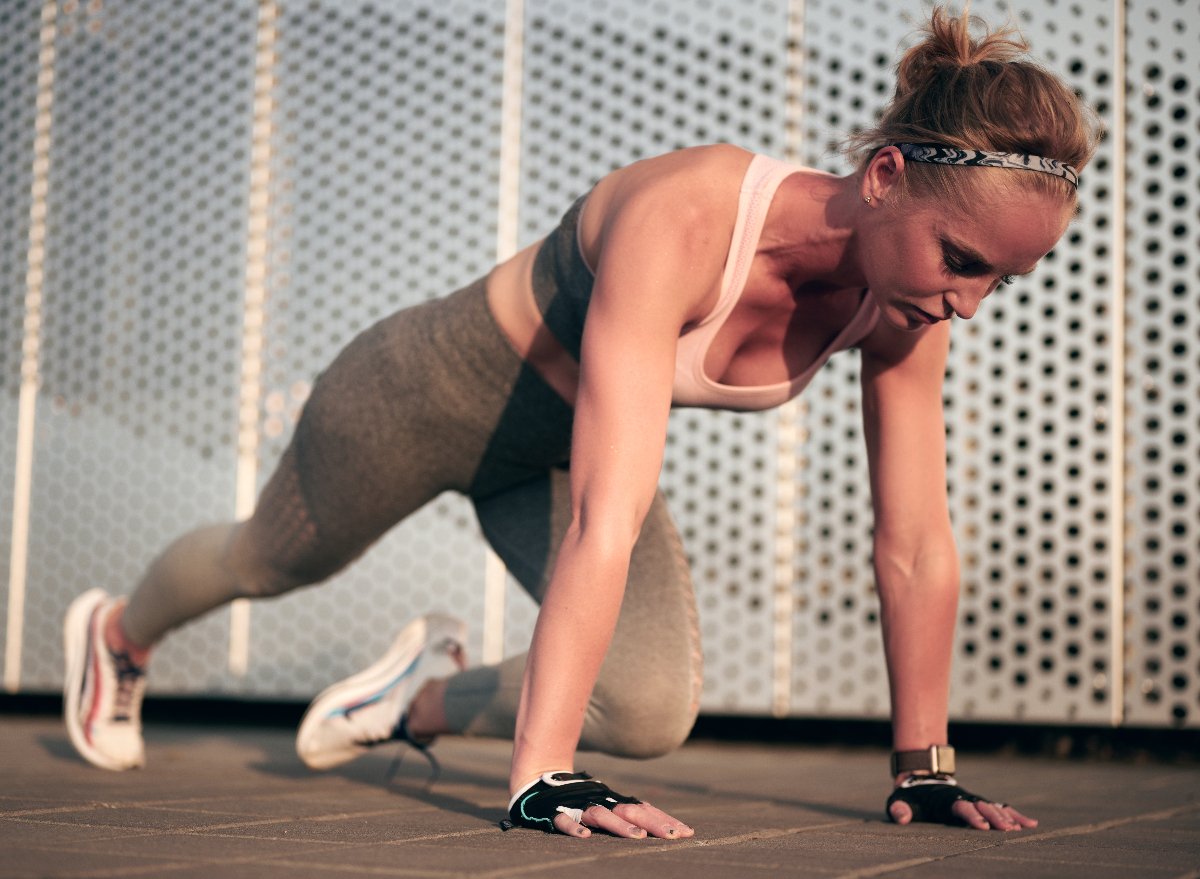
953	263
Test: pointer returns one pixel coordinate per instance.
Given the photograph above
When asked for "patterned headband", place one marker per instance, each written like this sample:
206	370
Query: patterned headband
940	155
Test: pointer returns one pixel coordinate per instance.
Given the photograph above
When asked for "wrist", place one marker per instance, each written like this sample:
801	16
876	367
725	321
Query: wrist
934	760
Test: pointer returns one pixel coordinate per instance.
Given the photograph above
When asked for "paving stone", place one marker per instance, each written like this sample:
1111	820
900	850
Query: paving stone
238	802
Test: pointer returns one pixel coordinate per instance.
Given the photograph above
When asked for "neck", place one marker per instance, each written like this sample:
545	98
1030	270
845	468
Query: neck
817	237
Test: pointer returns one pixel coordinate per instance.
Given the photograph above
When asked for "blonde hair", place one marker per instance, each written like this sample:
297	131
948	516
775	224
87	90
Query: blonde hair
979	93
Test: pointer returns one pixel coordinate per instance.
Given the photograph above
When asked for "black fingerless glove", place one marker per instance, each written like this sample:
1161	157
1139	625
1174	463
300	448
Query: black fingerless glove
931	798
570	793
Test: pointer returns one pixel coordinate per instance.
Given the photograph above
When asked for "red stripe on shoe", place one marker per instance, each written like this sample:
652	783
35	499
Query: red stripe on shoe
94	661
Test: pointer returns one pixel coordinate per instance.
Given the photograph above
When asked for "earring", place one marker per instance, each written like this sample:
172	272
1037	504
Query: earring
867	199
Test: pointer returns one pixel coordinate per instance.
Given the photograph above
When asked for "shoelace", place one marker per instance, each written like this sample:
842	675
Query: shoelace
401	734
128	674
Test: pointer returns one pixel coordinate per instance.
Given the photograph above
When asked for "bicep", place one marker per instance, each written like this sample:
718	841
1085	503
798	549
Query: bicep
658	262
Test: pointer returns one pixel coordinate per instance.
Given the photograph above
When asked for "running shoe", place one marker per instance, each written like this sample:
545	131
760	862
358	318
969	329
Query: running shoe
102	693
347	719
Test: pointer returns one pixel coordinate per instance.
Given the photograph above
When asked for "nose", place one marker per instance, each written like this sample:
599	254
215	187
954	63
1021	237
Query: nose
964	301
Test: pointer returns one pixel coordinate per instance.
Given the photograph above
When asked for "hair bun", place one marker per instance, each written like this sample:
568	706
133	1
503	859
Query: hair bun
948	43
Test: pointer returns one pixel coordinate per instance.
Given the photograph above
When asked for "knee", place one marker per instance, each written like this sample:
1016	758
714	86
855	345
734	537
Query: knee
641	721
262	574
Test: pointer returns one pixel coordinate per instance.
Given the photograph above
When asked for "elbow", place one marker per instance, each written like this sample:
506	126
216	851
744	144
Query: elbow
607	530
930	566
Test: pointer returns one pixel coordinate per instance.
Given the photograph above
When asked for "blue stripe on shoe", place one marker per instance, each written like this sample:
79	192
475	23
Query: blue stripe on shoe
379	695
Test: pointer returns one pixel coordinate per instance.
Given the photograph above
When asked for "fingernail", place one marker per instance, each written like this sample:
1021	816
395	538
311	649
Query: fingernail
671	831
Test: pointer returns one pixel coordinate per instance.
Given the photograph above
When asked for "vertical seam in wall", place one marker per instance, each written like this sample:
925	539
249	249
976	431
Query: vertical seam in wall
30	352
253	314
1117	516
508	192
790	416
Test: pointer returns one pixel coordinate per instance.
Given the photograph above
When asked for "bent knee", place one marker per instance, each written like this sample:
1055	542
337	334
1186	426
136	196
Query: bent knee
260	573
640	723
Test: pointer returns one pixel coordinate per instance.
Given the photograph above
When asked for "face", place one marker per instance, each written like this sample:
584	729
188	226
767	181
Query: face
925	263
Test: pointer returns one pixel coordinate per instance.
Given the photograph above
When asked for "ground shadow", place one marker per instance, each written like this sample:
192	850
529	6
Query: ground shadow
700	790
60	748
412	776
403	772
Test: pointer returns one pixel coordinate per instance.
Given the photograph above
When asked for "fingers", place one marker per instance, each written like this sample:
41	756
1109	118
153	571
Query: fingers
565	824
969	814
655	821
1017	818
628	820
987	816
598	816
901	812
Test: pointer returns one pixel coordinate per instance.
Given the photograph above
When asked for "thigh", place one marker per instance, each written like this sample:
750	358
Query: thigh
406	411
658	627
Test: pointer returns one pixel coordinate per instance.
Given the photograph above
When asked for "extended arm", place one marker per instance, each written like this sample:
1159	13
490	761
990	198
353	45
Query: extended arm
657	262
916	562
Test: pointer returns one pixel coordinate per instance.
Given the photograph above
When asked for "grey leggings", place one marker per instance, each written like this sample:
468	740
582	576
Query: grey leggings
430	399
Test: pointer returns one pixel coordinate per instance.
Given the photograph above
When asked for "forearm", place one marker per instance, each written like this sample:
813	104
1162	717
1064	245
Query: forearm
574	628
919	605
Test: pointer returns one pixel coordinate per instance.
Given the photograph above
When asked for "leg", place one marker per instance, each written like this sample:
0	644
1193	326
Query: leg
631	713
401	415
406	411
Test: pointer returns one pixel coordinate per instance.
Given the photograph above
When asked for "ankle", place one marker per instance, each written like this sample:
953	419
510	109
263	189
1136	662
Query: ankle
426	715
118	642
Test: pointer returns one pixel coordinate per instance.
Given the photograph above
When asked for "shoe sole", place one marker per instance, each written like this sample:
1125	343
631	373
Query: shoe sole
79	618
375	679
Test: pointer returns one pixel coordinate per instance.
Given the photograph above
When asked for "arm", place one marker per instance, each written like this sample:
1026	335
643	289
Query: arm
916	561
657	264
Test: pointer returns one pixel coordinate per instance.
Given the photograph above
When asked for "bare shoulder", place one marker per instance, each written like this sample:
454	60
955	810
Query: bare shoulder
698	185
697	168
658	232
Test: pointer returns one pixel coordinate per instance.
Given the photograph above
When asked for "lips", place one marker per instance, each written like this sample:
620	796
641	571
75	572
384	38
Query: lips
924	316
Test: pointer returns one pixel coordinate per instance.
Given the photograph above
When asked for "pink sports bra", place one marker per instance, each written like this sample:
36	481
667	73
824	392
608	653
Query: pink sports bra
692	386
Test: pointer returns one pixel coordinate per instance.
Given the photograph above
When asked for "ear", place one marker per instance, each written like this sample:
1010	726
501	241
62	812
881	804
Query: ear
882	176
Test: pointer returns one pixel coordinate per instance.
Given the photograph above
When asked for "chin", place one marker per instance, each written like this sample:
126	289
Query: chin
899	320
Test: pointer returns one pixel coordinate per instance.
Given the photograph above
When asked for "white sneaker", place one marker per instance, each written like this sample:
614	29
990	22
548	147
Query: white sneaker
102	692
351	716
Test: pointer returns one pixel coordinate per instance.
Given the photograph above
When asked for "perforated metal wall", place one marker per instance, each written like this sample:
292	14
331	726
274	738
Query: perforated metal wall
145	247
1162	604
382	148
19	48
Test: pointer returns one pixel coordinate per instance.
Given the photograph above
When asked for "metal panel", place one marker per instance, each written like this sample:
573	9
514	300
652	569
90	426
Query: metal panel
19	47
1163	311
144	252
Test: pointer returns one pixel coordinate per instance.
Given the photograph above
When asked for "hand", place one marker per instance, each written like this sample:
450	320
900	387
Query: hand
572	802
628	820
940	800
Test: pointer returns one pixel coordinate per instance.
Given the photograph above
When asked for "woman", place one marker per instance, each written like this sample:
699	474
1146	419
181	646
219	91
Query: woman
706	277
